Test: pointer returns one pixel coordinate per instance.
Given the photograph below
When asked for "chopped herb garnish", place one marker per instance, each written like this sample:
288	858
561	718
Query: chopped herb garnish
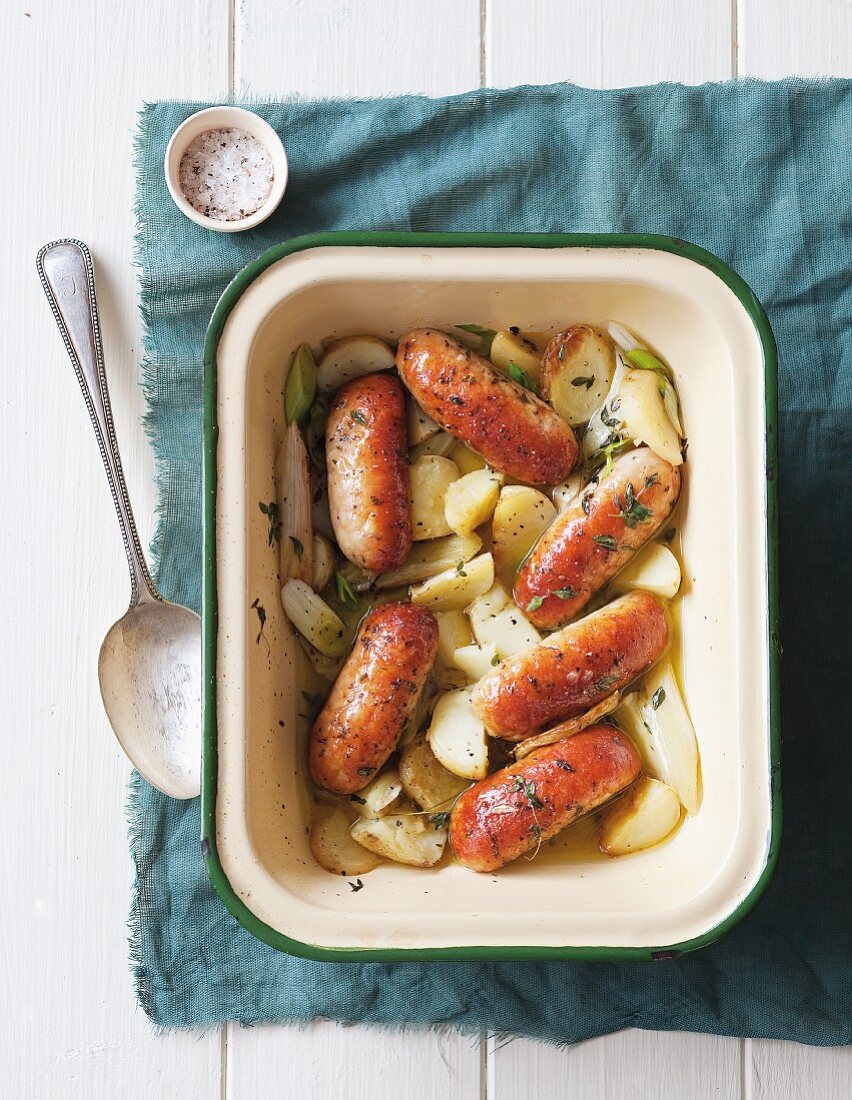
560	355
605	683
495	660
631	511
455	400
261	615
522	378
607	417
440	820
356	885
669	533
270	510
298	549
585	503
566	593
528	791
357	798
606	541
658	698
365	772
345	591
460	570
358	416
486	336
535	603
650	480
587	380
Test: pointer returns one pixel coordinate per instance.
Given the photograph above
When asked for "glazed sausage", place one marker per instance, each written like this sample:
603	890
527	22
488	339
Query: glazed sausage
507	425
373	697
588	543
369	490
574	669
515	810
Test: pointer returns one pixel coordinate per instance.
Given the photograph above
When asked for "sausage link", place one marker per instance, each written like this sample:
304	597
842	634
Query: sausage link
515	810
507	425
574	669
588	543
375	694
369	489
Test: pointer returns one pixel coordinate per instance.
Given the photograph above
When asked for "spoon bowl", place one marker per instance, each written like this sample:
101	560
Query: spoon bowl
149	666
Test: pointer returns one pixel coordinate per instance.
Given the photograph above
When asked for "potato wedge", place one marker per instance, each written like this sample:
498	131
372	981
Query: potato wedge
476	661
521	516
431	476
509	631
404	836
457	737
424	778
350	358
420	426
576	372
509	348
427	559
471	500
334	849
654	568
379	797
313	618
485	607
453	633
457	587
658	722
640	819
642	409
466	459
323	562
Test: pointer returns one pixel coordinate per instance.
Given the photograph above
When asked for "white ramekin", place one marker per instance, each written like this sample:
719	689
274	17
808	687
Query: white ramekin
216	118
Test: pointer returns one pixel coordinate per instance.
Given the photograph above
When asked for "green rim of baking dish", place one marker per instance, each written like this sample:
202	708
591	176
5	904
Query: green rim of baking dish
220	315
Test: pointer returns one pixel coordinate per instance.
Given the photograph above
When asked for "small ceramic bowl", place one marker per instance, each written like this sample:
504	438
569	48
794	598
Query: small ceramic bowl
218	118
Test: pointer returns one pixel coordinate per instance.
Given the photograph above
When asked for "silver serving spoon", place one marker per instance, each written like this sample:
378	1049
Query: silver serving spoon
149	666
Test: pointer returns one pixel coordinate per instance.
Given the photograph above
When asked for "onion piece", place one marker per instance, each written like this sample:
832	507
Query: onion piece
295	541
569	727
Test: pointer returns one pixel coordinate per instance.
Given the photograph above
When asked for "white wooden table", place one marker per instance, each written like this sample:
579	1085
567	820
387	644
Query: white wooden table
72	74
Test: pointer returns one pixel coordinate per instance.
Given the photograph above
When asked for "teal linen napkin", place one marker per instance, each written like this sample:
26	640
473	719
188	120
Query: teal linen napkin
760	174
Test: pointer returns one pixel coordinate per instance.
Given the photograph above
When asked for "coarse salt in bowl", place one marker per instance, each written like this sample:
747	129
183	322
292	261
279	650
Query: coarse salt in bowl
226	169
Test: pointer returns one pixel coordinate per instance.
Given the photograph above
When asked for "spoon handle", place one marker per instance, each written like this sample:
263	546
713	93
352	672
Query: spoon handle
68	277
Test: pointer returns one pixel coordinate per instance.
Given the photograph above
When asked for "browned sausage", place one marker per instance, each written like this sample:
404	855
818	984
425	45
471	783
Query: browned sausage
573	669
373	697
507	425
517	809
369	490
589	542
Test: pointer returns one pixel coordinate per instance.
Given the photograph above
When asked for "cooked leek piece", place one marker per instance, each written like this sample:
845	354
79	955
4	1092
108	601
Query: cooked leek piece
324	560
313	618
295	532
641	818
657	719
301	386
430	558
